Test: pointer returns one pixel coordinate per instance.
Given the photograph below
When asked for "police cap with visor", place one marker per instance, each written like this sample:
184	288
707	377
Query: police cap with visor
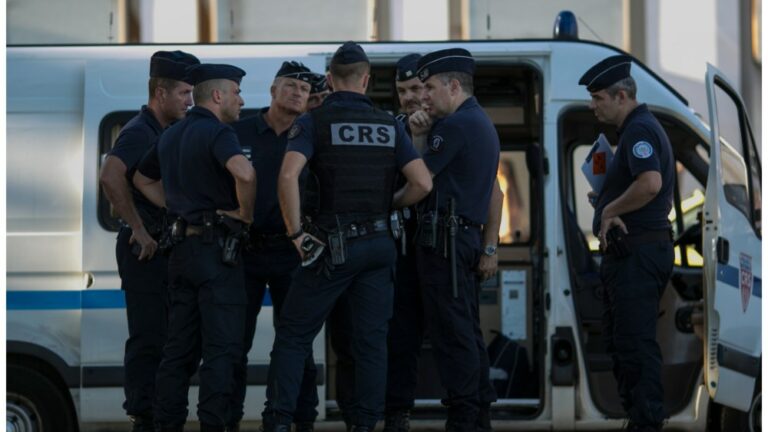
606	73
295	70
447	60
349	53
319	83
171	64
207	71
407	67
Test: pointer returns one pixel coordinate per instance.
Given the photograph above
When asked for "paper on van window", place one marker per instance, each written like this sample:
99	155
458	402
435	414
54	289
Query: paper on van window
596	165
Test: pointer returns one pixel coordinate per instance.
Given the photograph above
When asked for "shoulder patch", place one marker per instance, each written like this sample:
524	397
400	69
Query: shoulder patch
642	150
294	131
247	151
436	143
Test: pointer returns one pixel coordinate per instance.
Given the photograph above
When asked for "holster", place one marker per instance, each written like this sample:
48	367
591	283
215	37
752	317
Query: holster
618	245
236	236
427	232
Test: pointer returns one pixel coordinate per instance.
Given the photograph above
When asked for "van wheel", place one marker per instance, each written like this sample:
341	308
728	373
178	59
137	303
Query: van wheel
35	404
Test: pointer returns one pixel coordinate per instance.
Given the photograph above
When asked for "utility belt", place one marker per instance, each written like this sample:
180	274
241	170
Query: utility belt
230	234
337	237
434	229
620	244
159	230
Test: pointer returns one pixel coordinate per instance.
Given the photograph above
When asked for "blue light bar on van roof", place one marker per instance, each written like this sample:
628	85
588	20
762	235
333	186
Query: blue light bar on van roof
566	27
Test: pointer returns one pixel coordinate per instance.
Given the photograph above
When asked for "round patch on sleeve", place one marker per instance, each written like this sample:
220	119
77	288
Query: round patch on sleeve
295	131
642	150
436	143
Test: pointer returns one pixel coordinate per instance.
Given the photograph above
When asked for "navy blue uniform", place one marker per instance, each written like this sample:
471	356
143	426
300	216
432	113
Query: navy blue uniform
271	258
366	276
207	297
406	328
144	282
463	154
635	284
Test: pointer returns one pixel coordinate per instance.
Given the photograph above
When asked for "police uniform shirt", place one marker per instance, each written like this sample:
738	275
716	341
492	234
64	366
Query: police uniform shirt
301	137
643	146
462	152
134	140
265	150
191	158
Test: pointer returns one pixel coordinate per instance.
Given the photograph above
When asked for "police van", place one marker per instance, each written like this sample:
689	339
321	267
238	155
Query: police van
66	323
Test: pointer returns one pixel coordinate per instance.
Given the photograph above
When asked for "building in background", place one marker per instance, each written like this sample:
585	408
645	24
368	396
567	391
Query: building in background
673	37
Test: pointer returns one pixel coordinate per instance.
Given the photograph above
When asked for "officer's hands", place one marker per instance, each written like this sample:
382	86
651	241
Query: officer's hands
235	214
300	239
605	225
592	197
147	243
487	267
420	123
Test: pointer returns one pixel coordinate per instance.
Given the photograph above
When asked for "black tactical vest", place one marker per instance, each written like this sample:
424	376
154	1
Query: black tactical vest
354	160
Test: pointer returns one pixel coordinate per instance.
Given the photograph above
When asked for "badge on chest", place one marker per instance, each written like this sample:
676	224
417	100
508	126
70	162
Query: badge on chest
364	134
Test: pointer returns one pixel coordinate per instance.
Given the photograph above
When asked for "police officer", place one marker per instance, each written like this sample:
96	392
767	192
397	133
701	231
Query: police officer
271	258
462	153
406	328
210	185
635	201
319	91
355	152
143	273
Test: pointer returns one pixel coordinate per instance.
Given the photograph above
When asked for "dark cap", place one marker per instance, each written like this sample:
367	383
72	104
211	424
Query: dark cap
447	60
171	64
207	71
295	70
319	83
407	66
349	53
606	73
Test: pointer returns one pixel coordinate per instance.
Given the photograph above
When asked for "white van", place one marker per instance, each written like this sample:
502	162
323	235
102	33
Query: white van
66	322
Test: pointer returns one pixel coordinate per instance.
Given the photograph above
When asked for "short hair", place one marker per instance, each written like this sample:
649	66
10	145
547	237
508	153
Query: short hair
465	80
202	91
166	83
347	72
627	84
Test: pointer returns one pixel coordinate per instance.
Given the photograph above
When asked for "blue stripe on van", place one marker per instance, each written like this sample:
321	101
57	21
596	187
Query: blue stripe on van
74	300
730	276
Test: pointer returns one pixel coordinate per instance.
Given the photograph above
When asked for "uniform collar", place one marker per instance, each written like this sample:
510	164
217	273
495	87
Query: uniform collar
347	96
204	112
471	102
150	118
640	109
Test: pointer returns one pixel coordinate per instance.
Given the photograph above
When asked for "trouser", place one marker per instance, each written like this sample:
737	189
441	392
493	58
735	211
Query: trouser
366	277
339	327
634	285
406	334
207	319
273	266
146	306
453	324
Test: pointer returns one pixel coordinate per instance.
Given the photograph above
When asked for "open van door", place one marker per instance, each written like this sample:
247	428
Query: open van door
732	250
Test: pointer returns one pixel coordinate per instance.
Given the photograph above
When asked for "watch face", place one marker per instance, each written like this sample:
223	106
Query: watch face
490	250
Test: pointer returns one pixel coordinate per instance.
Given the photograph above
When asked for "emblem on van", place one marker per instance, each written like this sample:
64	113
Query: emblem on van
745	279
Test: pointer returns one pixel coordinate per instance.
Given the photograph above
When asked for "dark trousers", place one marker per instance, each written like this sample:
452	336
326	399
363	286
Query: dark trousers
207	319
274	267
146	305
367	279
634	286
406	334
454	327
340	330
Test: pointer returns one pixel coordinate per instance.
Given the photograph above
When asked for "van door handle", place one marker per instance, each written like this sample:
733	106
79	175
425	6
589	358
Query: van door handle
723	250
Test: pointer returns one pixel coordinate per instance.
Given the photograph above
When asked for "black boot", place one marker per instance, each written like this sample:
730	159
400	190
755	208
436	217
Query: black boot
205	427
362	429
170	428
305	427
143	424
397	421
234	428
268	427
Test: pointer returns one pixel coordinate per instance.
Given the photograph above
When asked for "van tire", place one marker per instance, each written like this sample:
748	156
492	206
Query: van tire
33	400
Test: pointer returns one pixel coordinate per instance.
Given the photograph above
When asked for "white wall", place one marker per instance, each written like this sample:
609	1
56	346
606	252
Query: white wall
63	21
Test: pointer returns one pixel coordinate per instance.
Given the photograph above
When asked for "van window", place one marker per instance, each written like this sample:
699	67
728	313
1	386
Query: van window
109	129
514	181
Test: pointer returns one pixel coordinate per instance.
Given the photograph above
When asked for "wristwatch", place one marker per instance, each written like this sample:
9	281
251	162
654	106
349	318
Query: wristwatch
490	250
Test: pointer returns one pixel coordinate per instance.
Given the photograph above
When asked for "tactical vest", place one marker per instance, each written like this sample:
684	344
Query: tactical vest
354	160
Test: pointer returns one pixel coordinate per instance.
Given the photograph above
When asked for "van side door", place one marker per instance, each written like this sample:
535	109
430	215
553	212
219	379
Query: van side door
732	242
